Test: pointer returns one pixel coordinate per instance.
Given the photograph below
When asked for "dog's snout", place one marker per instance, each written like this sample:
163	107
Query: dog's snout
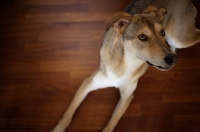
170	59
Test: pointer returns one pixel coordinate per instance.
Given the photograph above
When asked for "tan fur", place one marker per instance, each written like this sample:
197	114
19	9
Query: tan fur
179	22
188	36
130	43
181	25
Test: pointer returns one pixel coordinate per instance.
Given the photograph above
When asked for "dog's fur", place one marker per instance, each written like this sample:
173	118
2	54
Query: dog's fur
133	41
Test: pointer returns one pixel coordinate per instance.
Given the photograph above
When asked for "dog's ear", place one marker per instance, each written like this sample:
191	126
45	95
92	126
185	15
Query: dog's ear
158	13
119	22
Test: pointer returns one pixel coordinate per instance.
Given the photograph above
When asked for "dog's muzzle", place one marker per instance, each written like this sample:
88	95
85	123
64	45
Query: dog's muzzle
170	60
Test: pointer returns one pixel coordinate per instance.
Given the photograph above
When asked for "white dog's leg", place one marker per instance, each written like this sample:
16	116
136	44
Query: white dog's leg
98	79
126	94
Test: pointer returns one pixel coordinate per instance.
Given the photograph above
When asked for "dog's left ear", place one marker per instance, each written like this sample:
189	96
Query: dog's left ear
119	22
158	13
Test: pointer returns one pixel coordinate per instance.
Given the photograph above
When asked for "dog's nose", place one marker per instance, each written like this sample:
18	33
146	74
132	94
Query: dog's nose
170	59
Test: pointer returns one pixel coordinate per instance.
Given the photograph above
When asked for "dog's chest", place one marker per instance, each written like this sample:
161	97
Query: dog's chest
134	68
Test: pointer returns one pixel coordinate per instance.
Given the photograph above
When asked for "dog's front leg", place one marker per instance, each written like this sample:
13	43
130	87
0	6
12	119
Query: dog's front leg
126	94
82	92
98	79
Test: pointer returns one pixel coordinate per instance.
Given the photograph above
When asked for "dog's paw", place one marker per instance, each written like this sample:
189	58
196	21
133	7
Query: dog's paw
107	130
57	130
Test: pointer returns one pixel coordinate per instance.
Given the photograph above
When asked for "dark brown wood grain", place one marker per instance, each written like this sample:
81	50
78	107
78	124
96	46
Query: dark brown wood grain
48	47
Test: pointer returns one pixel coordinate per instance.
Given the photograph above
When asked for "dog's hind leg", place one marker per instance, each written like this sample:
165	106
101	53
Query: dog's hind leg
184	40
126	94
194	37
97	80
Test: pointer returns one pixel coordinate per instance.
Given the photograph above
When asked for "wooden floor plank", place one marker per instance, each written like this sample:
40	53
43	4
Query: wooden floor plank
48	47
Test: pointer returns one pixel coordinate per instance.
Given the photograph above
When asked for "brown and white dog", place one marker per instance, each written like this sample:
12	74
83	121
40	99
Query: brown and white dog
133	41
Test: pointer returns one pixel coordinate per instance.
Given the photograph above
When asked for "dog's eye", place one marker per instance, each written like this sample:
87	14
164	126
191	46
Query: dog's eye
143	37
162	32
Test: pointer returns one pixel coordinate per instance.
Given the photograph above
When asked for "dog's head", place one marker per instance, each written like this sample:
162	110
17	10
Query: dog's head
143	36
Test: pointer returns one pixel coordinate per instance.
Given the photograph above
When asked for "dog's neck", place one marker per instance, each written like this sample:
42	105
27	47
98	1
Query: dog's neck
115	58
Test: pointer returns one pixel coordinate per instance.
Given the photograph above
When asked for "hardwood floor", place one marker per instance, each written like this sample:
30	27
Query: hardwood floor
48	47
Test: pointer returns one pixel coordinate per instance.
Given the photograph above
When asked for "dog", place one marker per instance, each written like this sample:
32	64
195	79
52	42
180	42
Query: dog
145	34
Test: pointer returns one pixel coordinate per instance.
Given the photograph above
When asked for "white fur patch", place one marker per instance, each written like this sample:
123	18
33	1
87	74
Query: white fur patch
173	42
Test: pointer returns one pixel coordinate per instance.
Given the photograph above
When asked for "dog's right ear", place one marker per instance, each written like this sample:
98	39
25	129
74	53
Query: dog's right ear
119	22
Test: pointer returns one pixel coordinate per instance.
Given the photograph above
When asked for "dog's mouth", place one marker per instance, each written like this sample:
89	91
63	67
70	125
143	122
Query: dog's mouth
159	67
